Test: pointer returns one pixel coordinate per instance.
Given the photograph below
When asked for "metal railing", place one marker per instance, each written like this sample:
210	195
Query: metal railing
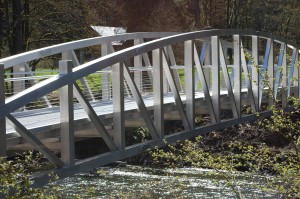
180	65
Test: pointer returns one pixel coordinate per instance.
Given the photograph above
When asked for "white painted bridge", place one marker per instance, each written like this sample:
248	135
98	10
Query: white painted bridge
224	75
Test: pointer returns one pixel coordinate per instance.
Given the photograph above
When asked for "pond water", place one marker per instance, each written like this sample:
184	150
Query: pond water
128	181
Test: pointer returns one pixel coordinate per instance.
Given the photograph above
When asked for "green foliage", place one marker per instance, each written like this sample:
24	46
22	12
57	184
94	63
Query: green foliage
283	164
15	178
254	160
137	135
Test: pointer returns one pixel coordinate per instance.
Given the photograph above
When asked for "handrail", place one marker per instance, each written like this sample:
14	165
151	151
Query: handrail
73	45
56	82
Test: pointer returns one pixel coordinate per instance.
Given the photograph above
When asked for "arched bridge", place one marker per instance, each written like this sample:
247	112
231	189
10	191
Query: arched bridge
224	76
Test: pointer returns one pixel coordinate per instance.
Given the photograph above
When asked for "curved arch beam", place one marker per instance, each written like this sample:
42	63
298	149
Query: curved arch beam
56	82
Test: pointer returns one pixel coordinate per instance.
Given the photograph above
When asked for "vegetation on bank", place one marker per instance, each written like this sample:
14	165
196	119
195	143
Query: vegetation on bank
266	147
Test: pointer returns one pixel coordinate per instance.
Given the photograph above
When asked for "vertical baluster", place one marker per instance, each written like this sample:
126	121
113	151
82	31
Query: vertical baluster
189	82
2	120
292	72
271	73
138	61
279	69
18	85
207	64
297	73
237	72
66	116
284	78
204	51
216	76
105	76
255	72
118	105
158	92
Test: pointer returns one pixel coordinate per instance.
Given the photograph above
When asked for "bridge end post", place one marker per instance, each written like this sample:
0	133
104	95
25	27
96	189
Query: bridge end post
189	81
158	92
67	117
118	106
2	120
256	79
237	68
216	75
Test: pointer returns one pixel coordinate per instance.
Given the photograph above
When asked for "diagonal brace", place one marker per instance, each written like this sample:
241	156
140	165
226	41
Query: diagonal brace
29	137
139	100
93	117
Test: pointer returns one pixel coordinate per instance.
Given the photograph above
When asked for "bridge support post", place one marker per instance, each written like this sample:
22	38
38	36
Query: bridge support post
216	76
237	72
189	81
298	72
2	120
118	106
271	73
158	92
295	81
284	78
67	117
255	72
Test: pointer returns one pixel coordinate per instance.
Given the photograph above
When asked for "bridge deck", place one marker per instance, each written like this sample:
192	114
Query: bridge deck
49	118
46	122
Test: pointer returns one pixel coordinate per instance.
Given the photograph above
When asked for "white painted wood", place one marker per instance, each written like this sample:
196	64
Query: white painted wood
67	116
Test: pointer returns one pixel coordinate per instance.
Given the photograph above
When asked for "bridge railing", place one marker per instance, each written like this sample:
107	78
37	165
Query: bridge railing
202	59
21	76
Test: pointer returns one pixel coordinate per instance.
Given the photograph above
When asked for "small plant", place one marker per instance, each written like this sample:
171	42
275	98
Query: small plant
15	177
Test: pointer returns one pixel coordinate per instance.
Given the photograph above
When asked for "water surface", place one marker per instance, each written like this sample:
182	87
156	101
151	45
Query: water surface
128	181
